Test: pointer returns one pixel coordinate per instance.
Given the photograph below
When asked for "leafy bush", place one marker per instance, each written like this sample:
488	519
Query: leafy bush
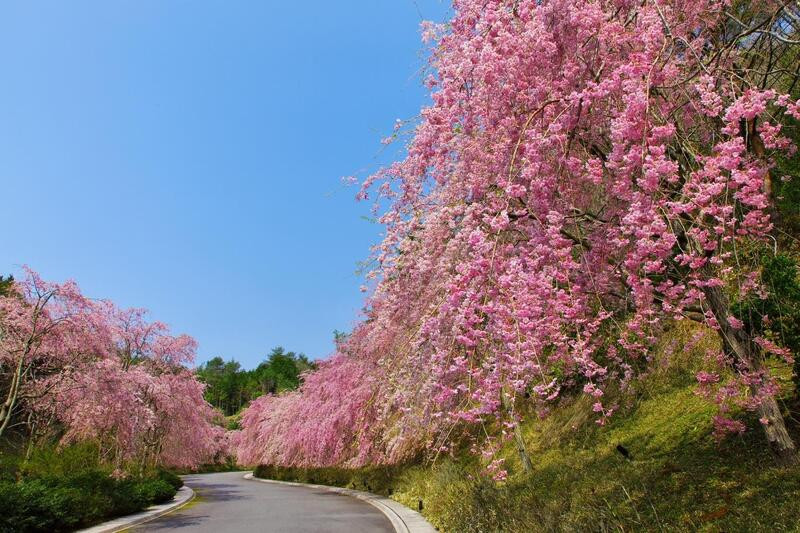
61	461
26	506
228	464
38	505
9	466
66	489
154	491
170	477
64	504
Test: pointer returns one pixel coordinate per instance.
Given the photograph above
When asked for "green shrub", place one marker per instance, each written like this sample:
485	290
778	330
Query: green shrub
170	477
376	479
154	491
61	504
9	466
66	489
38	506
776	314
61	461
226	464
125	499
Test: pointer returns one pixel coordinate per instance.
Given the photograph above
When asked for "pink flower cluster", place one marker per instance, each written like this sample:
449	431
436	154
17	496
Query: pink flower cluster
84	369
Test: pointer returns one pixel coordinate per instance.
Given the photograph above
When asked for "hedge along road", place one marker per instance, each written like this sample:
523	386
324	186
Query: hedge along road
227	503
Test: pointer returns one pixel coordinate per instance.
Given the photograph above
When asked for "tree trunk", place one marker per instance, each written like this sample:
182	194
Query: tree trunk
519	440
779	440
521	450
7	409
746	353
32	434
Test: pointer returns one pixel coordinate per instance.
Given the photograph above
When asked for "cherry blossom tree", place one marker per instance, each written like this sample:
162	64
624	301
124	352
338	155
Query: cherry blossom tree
587	172
81	369
331	420
142	404
142	417
47	330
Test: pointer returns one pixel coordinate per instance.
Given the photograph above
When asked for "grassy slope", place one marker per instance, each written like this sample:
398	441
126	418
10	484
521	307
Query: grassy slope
680	478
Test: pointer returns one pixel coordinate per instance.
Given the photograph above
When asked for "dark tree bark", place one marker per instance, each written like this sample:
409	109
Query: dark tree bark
746	353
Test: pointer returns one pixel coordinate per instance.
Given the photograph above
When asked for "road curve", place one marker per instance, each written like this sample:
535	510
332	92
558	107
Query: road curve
227	503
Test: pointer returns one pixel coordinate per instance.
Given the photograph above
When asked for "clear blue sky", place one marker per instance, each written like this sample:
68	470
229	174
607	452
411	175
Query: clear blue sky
186	156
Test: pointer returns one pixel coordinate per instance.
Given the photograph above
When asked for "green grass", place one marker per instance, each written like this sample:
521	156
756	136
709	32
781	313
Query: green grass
680	478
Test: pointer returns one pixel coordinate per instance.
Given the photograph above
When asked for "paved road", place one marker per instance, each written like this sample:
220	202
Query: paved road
226	503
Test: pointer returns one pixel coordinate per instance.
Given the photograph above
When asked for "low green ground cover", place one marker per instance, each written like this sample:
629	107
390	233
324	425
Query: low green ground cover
67	489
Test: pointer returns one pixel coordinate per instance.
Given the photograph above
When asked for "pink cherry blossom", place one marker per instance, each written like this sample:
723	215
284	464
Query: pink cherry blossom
83	369
581	178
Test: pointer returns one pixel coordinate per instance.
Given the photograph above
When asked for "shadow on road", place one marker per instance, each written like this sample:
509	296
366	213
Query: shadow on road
220	492
175	521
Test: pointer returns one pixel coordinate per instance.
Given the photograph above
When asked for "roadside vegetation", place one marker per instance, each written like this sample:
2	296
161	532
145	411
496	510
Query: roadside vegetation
656	466
68	488
99	406
96	404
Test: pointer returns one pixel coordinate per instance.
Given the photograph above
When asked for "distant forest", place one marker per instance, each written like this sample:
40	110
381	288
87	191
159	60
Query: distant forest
230	388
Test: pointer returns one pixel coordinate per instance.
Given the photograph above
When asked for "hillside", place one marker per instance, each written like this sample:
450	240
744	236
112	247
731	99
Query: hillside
678	476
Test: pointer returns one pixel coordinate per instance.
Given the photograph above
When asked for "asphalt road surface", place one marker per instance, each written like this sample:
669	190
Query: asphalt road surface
226	503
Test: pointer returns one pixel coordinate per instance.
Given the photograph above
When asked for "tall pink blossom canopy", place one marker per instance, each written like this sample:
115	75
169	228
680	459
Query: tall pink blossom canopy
584	176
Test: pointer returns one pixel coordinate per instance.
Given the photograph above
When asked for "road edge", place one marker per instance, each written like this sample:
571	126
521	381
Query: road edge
403	519
182	497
